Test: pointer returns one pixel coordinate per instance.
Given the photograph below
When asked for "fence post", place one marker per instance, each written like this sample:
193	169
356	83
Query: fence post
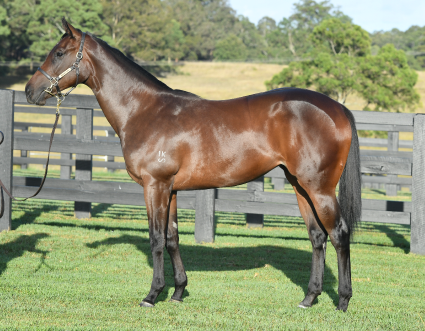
393	143
66	128
84	163
255	220
278	183
417	228
7	98
111	133
24	153
204	216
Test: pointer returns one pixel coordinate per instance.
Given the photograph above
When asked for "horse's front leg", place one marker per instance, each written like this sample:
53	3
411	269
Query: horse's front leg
157	197
180	278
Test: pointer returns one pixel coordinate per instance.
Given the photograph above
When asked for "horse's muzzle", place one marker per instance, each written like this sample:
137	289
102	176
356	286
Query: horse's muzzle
35	96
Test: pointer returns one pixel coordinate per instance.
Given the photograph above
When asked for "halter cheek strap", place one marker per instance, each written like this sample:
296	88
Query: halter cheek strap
54	81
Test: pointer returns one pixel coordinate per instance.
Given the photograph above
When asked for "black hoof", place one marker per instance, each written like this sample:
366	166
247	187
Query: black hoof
146	304
344	309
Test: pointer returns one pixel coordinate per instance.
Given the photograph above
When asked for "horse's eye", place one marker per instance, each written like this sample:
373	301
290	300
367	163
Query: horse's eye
59	54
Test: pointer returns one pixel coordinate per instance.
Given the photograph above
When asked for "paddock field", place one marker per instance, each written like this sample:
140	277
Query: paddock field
57	272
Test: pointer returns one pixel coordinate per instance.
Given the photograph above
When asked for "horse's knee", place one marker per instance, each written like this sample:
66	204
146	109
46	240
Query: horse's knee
157	242
317	238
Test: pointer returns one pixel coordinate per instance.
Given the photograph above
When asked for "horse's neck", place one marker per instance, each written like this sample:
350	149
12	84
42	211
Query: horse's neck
123	89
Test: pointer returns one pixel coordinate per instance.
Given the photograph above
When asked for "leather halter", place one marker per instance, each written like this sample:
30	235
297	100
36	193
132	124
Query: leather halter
54	81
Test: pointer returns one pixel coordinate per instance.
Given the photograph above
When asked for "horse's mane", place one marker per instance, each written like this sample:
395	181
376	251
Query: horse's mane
136	67
125	60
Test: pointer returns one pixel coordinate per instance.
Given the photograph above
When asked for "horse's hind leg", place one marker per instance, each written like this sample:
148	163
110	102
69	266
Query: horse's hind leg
318	238
172	244
328	211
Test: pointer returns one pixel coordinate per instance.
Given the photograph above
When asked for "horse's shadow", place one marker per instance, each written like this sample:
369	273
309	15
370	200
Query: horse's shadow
17	247
294	263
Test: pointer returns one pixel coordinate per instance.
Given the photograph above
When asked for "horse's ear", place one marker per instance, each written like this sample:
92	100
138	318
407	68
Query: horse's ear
69	29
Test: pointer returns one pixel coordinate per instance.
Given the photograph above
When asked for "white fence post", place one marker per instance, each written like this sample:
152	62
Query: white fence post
84	162
7	98
66	128
417	229
393	144
204	216
255	220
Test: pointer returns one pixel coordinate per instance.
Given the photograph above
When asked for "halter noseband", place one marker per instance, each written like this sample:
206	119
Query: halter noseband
54	81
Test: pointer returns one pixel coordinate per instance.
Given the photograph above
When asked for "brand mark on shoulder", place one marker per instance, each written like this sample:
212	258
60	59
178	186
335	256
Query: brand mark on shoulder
161	155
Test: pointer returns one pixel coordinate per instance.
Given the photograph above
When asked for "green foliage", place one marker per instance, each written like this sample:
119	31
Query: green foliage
174	40
231	48
344	66
4	28
412	41
45	27
341	38
388	81
252	39
191	30
332	75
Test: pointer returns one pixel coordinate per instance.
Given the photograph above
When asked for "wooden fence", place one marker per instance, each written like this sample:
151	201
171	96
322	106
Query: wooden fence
380	167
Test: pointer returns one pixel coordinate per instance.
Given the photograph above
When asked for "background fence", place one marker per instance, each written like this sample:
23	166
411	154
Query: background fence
379	168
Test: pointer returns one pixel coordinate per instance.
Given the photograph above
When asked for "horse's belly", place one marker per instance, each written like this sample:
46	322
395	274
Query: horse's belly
224	173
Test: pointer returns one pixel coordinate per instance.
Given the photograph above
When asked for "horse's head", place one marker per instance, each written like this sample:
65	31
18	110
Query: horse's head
62	57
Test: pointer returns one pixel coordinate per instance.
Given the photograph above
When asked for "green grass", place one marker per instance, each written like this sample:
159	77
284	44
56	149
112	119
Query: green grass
57	272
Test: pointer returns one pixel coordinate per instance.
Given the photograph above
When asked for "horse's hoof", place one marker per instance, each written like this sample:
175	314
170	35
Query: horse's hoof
146	304
175	301
302	306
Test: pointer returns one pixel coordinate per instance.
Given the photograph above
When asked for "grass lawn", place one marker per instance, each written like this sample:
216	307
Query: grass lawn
57	272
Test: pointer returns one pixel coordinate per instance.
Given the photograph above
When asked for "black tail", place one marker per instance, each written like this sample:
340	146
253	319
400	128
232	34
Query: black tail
350	184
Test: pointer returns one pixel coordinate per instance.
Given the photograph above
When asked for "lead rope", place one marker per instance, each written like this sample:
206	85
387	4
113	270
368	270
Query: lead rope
3	187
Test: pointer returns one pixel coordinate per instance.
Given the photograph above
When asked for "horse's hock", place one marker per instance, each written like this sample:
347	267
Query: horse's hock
379	168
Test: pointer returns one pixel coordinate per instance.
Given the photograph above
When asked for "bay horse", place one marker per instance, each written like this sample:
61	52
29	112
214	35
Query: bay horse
173	140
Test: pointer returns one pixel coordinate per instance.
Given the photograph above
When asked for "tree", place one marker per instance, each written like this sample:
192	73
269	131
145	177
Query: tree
230	48
204	23
45	28
266	25
175	41
344	65
341	38
4	31
254	42
388	81
412	41
308	14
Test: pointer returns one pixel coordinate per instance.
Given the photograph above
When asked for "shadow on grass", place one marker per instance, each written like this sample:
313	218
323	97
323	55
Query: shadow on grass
294	263
98	227
16	248
397	238
31	212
